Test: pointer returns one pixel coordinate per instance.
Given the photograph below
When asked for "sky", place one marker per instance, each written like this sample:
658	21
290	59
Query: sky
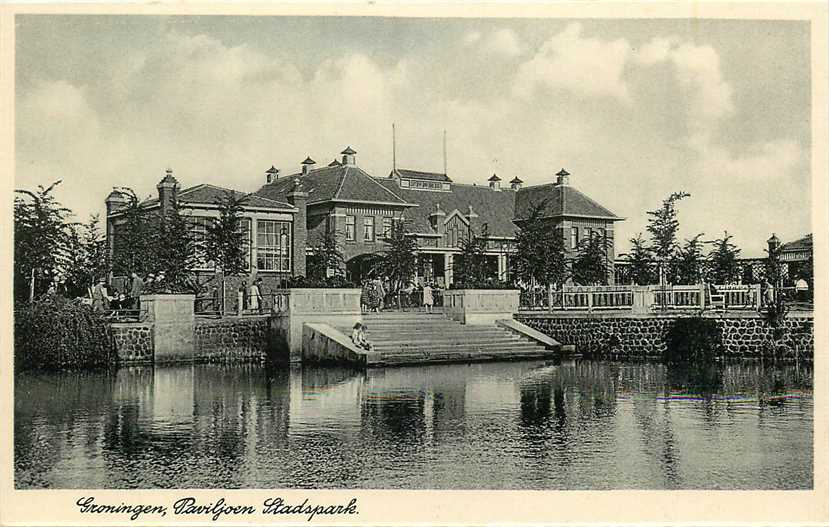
633	109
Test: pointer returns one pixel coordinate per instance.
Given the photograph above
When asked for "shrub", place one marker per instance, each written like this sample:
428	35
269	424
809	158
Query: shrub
693	340
56	333
330	282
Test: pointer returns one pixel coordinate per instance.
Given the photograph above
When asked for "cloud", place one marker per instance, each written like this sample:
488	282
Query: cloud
471	37
504	43
584	66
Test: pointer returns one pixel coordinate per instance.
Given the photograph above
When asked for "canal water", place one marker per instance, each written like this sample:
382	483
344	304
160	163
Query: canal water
529	425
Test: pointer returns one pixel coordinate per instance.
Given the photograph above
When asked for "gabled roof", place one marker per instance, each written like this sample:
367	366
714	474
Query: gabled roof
496	209
560	200
417	174
207	194
335	183
802	244
334	163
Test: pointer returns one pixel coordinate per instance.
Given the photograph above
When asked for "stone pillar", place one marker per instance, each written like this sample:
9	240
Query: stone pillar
298	198
173	324
448	273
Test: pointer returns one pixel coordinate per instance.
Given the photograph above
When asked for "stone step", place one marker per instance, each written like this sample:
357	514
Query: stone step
462	356
465	346
450	341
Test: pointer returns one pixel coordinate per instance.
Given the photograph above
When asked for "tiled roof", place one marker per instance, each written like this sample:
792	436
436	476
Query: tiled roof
334	183
495	208
803	244
516	179
348	151
561	200
206	194
494	178
309	161
417	174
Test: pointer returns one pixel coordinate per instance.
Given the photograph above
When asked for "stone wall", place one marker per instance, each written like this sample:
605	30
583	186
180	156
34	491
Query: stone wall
232	339
133	342
743	335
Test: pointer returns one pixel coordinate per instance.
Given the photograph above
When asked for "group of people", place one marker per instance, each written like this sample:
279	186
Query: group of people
250	296
375	295
104	300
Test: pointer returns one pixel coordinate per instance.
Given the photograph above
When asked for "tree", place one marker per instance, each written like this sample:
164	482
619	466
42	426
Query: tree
663	226
399	260
688	268
325	256
89	257
470	268
590	265
723	266
224	244
539	256
175	250
42	240
640	259
133	251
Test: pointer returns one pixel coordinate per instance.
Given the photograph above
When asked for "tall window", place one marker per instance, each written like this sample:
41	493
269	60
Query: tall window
603	234
387	227
350	231
574	237
588	233
368	228
273	245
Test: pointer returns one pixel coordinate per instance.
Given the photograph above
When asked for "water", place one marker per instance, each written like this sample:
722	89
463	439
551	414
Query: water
531	425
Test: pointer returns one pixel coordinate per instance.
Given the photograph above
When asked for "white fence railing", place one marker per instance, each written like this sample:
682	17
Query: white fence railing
643	299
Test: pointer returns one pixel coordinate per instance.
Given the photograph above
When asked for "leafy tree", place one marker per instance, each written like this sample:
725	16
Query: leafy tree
640	259
663	226
398	261
175	250
470	268
42	240
777	310
89	257
224	243
723	266
590	265
688	268
133	251
539	256
325	256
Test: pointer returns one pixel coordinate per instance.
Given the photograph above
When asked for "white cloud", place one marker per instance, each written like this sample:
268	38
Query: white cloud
471	37
582	65
504	43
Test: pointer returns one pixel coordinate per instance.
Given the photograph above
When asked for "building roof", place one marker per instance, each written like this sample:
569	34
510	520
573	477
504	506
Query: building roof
348	151
493	208
334	163
560	200
494	178
802	244
333	183
516	179
309	161
417	174
207	194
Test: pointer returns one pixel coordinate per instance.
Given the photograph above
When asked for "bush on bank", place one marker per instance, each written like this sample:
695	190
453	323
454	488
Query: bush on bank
55	333
693	339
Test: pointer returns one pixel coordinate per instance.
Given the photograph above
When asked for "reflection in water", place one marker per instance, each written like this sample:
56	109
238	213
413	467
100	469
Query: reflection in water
573	425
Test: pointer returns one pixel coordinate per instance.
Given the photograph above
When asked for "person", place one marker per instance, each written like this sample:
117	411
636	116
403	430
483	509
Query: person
115	302
428	299
255	296
215	299
240	297
768	293
136	288
149	285
358	337
99	296
365	296
381	294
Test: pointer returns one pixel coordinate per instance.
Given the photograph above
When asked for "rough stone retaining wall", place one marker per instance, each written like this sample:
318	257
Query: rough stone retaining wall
743	335
232	339
133	342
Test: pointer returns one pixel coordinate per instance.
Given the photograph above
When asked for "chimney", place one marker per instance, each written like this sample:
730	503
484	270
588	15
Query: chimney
114	201
437	219
774	244
308	165
516	183
349	156
563	178
495	182
299	198
167	192
271	174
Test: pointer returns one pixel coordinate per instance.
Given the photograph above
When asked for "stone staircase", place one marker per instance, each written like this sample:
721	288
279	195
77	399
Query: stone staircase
416	338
